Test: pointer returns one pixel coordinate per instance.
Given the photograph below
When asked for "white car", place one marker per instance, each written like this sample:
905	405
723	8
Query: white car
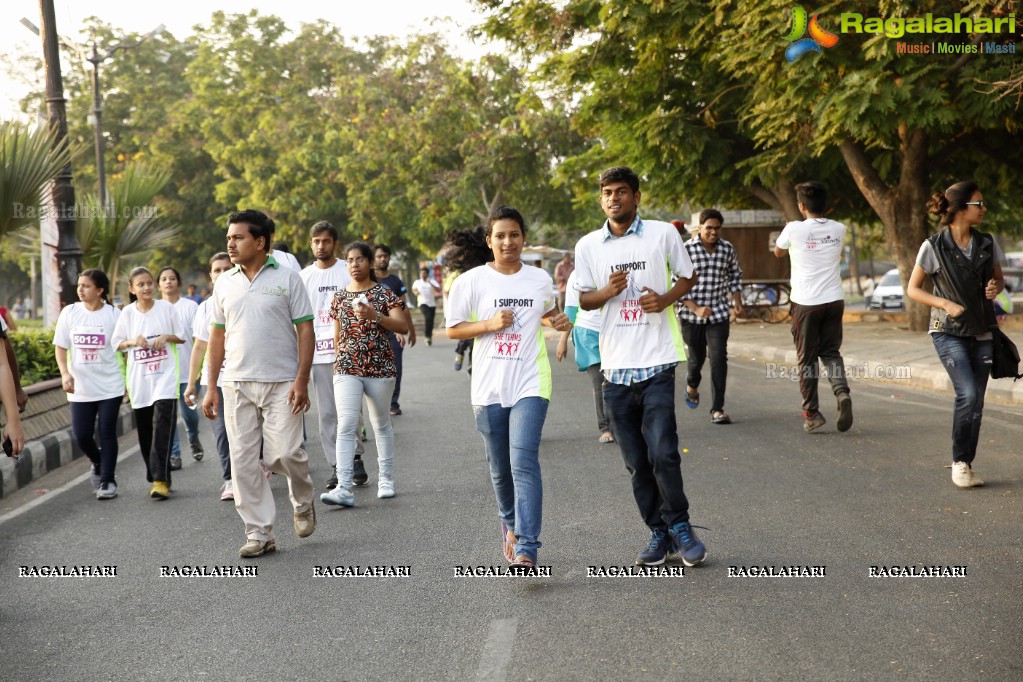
888	294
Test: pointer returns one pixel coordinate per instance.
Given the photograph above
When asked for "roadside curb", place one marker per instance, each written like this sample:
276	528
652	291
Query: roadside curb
52	451
928	377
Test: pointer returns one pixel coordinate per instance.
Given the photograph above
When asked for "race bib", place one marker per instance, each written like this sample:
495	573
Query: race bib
152	361
87	343
325	346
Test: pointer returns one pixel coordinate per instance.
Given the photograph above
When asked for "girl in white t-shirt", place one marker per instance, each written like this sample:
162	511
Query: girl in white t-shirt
149	332
168	280
91	375
502	304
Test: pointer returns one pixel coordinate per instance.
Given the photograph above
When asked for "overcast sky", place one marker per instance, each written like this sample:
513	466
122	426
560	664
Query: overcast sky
354	19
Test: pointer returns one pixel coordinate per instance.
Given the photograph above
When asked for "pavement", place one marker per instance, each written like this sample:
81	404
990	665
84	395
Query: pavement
879	350
768	494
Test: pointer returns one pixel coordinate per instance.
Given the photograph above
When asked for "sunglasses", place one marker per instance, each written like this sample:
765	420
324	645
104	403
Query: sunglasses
974	203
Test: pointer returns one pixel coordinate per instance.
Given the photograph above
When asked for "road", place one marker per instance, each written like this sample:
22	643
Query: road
769	494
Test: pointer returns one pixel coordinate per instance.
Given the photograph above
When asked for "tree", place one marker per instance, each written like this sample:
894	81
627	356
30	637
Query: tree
702	95
905	126
28	161
129	228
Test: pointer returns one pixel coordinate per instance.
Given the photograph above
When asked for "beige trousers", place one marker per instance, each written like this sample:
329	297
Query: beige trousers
256	414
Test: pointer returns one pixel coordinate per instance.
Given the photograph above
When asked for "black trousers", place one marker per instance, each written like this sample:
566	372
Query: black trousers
701	340
429	314
156	425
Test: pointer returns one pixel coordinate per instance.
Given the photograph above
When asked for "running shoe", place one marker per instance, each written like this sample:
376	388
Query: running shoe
359	475
657	551
107	491
340	497
227	492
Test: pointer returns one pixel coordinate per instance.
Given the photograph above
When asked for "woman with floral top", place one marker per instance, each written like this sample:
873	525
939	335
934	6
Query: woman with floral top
364	364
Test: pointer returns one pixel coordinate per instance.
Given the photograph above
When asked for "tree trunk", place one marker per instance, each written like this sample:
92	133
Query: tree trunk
902	208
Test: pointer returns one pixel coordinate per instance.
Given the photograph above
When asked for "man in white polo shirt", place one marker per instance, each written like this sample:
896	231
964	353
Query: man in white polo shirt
625	268
814	247
262	317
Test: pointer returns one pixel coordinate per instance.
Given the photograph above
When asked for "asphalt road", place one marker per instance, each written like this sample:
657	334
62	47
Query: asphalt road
770	495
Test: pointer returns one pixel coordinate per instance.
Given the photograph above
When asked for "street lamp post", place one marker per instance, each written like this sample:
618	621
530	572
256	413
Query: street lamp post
97	104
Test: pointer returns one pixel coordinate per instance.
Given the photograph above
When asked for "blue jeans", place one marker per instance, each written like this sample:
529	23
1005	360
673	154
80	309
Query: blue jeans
511	437
968	364
642	419
191	418
83	428
220	435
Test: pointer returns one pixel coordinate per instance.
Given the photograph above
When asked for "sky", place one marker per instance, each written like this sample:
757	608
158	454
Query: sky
354	18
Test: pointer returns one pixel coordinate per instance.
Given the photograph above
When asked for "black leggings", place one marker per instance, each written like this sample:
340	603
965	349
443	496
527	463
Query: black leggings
83	428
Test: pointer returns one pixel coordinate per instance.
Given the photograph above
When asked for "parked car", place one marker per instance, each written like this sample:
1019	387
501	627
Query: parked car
1014	259
1014	284
888	294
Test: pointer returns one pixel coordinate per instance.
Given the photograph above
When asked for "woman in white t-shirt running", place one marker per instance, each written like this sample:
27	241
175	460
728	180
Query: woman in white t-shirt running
91	375
149	332
502	304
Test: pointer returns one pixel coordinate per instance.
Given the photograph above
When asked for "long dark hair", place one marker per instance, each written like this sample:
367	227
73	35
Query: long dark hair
467	249
947	204
132	275
367	251
100	281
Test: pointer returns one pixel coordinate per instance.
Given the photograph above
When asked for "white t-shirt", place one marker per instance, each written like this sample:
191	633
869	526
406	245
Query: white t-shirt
629	338
185	308
152	374
201	332
286	259
321	283
86	335
815	251
424	291
3	324
586	319
510	364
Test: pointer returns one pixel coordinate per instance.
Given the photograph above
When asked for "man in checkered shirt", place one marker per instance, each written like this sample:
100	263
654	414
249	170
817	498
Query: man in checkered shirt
704	312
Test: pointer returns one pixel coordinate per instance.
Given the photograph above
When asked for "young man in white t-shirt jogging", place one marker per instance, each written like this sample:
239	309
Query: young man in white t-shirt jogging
625	268
427	289
814	246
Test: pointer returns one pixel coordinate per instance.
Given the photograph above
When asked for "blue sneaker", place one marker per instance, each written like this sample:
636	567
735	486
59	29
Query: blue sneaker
339	496
657	551
688	546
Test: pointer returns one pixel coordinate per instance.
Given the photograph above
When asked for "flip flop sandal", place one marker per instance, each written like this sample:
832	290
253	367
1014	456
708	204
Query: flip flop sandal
720	417
606	438
692	399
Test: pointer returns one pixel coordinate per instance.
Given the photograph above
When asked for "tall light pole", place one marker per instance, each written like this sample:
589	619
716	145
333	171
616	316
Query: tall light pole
97	103
97	98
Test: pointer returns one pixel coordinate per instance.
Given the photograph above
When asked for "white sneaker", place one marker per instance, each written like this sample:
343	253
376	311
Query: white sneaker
107	491
227	492
94	476
963	476
385	489
339	496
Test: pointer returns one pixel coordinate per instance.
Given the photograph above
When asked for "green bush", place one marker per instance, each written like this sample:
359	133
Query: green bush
34	350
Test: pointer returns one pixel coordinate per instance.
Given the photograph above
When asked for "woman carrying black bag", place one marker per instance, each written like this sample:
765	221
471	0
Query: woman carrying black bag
963	264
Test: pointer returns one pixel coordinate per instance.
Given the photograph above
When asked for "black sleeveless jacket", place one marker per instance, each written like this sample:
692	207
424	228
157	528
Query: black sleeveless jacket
962	280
